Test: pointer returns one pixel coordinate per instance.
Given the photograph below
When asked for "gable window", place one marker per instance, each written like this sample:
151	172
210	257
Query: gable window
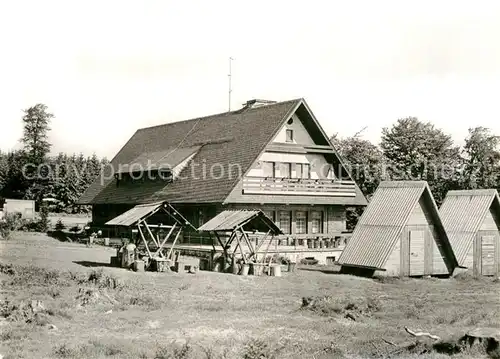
270	214
303	170
285	170
289	135
316	222
301	222
285	221
268	169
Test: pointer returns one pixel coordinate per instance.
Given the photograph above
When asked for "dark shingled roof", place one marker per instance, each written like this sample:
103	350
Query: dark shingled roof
228	143
226	138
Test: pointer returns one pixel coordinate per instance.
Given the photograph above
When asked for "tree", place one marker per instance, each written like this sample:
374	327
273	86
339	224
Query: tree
4	170
418	151
365	162
482	159
36	122
15	183
36	147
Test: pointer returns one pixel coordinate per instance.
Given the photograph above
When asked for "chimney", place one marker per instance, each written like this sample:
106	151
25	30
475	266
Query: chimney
257	103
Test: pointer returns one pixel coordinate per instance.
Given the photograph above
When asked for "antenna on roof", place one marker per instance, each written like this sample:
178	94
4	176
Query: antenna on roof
230	89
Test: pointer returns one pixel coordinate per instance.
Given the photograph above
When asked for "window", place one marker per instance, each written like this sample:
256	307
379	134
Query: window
285	170
303	170
285	221
330	172
316	222
289	135
268	169
301	222
270	214
201	217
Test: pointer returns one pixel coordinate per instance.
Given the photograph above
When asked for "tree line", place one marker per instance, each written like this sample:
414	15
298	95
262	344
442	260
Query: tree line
31	173
409	150
414	150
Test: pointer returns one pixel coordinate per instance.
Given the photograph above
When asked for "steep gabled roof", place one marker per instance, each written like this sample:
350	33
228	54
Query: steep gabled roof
381	224
226	146
463	213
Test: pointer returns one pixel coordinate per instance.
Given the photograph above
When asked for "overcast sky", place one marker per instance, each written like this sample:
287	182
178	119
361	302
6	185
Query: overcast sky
106	68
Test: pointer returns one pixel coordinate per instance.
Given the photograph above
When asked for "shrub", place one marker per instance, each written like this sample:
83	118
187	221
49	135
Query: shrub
43	223
59	225
258	349
13	221
4	230
173	352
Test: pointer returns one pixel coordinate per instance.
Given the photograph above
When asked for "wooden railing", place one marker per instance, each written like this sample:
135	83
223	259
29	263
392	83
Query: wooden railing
298	186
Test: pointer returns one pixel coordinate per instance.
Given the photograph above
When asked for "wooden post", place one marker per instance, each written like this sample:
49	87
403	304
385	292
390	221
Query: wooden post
241	249
267	248
165	240
157	244
173	244
144	239
262	241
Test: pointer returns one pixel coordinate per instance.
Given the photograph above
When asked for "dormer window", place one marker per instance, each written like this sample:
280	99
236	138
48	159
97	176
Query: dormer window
289	135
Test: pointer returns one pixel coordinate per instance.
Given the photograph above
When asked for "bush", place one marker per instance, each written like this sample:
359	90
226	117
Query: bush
13	221
258	349
59	225
43	223
308	261
4	230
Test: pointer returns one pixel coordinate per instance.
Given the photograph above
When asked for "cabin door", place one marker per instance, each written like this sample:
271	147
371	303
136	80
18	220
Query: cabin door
416	252
487	256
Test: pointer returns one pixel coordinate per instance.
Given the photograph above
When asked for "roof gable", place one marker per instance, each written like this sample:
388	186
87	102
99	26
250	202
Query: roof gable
463	213
383	221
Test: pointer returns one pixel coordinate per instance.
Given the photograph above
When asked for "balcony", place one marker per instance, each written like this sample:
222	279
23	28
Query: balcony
298	187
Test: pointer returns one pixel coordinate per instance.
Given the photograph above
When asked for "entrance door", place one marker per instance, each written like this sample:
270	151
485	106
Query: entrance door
487	255
416	252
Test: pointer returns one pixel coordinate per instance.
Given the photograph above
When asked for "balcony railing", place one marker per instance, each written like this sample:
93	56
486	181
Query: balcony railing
298	186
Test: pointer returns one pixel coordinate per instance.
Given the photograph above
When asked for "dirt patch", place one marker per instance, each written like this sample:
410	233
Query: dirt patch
353	309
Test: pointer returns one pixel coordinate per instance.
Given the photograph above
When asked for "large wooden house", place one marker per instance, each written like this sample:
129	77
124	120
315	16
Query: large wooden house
266	155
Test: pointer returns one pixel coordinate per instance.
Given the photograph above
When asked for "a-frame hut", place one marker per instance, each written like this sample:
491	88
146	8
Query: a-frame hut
472	221
399	234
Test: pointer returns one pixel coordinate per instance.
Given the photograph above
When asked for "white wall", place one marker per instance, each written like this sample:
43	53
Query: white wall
300	134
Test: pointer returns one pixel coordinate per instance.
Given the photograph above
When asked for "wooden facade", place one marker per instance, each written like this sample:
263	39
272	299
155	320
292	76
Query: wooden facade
472	220
418	251
399	234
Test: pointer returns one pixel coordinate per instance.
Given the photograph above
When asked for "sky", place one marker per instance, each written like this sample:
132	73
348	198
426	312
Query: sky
106	68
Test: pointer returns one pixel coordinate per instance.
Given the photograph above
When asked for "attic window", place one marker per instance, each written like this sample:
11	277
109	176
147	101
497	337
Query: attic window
289	135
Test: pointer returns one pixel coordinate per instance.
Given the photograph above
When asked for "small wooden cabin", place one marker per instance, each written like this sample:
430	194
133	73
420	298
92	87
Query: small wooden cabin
472	221
399	234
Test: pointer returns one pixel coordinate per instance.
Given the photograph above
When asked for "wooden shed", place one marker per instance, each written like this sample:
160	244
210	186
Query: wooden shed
472	221
399	234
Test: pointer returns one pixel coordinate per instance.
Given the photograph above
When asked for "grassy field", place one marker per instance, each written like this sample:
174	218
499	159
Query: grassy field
89	310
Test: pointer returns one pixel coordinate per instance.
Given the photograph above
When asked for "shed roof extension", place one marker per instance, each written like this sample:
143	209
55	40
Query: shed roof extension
229	220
